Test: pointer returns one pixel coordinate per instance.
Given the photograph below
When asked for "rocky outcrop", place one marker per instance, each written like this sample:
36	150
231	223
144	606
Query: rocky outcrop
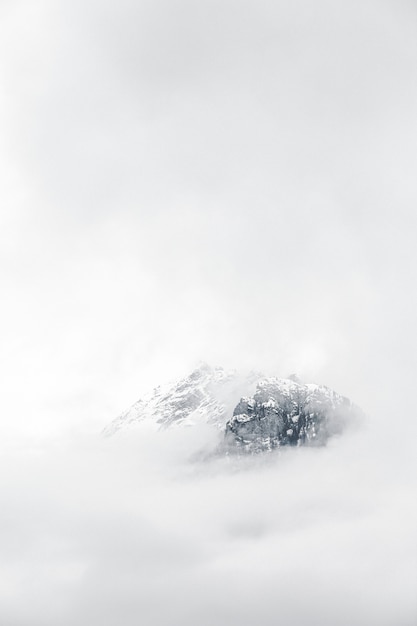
285	412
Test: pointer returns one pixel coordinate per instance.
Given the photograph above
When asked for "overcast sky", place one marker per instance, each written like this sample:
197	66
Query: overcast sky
233	182
224	181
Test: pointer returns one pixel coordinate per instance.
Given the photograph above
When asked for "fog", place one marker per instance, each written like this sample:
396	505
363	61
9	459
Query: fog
228	182
135	530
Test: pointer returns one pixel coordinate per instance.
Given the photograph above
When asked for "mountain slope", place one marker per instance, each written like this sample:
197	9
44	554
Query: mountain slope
206	395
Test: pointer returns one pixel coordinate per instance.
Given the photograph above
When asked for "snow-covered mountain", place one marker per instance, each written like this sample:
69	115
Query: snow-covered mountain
254	413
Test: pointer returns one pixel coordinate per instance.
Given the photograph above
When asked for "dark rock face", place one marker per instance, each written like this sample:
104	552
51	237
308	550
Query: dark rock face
285	412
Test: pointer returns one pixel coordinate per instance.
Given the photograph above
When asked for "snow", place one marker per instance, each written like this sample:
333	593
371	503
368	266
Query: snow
243	417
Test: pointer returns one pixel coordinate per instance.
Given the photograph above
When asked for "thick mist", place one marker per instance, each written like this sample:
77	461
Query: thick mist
132	529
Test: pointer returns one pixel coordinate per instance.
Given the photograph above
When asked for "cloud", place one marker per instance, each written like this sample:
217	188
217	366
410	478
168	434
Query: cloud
130	530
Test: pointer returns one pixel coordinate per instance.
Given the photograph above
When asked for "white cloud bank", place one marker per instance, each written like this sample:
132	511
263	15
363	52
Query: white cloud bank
131	531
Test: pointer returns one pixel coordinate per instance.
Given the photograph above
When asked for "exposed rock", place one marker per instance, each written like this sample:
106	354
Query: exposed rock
286	412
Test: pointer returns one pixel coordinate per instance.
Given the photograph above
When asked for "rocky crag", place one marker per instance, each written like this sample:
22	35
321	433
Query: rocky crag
286	412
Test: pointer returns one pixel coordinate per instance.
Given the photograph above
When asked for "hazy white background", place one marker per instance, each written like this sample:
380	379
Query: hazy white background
228	181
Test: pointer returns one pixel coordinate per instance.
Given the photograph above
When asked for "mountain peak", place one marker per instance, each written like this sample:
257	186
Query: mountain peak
255	413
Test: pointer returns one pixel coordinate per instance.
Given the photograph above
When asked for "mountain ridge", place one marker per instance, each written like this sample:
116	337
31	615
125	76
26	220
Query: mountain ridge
254	412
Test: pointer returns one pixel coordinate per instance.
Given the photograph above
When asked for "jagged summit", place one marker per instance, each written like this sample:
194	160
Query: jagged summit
254	412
